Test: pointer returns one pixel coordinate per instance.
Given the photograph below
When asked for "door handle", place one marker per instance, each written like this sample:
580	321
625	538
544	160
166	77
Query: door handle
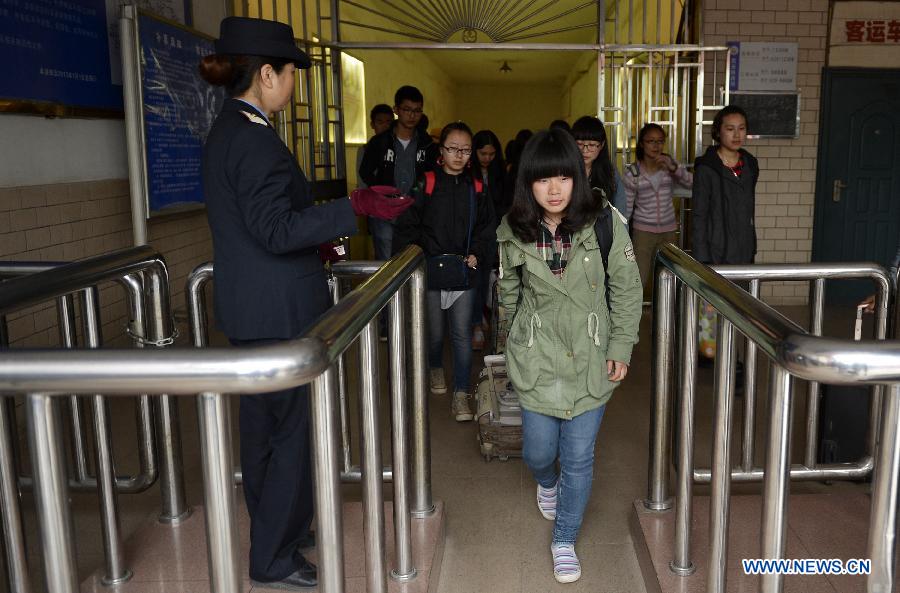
836	188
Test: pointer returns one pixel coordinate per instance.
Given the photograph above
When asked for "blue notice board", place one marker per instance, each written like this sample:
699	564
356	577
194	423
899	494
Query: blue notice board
57	52
179	109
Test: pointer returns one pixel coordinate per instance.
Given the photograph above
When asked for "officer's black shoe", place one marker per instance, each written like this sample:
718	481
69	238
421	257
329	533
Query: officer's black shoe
302	579
307	542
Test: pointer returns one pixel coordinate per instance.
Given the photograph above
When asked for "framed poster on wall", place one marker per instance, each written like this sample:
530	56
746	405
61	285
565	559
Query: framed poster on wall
178	109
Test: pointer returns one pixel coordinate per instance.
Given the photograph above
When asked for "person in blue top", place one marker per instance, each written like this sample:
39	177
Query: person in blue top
270	284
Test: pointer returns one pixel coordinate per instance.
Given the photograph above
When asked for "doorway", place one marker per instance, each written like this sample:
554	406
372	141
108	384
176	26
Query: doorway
857	204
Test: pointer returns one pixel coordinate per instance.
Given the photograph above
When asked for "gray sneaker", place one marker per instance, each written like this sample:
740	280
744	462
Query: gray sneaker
460	407
437	381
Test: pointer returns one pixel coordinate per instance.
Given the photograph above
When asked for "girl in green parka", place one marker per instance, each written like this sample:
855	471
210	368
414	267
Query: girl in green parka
573	327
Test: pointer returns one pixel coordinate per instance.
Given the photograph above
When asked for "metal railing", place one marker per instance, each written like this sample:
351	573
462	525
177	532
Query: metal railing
212	372
82	480
140	270
350	473
793	352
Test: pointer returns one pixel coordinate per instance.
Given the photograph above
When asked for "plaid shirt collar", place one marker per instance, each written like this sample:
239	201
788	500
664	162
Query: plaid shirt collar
554	249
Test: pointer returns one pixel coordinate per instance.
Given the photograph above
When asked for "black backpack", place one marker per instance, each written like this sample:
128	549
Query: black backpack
603	228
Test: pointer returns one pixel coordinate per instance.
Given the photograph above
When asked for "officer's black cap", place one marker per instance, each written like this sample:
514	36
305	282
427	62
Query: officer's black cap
258	37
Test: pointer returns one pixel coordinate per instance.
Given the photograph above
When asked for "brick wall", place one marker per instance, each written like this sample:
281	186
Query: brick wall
69	221
786	192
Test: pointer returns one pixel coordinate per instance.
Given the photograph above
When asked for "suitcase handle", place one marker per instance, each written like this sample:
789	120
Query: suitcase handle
857	327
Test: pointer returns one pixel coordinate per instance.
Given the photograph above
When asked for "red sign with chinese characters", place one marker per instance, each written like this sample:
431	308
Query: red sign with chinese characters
871	31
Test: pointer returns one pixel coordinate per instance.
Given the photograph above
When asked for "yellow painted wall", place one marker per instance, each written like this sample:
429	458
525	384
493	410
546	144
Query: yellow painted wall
506	109
580	95
386	71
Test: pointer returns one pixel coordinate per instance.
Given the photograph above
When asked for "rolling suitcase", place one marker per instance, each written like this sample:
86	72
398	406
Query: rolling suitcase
499	416
844	417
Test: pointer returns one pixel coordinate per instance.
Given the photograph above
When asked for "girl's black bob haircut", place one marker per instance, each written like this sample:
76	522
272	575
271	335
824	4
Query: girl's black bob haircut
550	153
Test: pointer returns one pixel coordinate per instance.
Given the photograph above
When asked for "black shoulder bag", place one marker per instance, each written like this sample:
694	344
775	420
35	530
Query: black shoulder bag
449	271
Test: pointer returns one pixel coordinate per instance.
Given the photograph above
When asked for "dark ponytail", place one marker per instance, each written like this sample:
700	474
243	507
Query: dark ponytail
236	73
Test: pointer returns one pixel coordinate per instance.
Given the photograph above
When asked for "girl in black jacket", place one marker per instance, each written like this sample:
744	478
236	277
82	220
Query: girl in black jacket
443	221
723	202
724	194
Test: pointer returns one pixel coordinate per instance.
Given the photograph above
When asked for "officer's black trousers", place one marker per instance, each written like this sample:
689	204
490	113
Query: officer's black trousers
277	477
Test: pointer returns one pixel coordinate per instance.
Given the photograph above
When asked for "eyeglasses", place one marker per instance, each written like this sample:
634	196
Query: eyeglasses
409	111
458	151
588	146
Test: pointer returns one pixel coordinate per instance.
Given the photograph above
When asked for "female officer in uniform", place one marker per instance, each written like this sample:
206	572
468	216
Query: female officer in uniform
269	282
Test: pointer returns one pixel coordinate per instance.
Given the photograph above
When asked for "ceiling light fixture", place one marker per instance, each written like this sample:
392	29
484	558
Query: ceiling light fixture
505	67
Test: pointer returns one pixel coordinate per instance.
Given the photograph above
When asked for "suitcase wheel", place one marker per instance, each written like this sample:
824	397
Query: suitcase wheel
487	450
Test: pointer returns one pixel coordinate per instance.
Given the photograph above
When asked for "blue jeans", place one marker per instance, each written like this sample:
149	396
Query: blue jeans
382	232
459	315
544	438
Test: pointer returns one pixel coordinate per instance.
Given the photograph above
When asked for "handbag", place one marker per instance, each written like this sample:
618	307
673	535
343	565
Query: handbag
449	271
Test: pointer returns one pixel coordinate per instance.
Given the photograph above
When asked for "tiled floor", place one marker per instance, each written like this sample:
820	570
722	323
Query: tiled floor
496	541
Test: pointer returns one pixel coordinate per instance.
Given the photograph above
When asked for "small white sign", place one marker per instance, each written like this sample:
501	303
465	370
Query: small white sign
762	66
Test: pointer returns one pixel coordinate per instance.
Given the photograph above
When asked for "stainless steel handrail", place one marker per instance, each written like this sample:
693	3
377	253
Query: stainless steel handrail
213	371
199	323
793	352
83	481
34	288
818	273
32	283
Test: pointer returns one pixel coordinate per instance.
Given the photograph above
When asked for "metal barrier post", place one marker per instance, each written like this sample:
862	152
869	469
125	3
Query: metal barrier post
329	514
214	416
750	358
65	315
882	544
51	493
777	477
116	572
423	505
10	510
146	438
346	465
370	454
664	296
721	460
223	544
405	571
681	564
816	317
174	506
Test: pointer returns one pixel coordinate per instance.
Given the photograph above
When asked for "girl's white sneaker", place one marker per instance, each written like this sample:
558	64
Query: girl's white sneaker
566	566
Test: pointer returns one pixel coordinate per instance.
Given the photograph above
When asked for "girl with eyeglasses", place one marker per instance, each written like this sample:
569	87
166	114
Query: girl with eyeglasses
452	221
573	326
590	136
648	187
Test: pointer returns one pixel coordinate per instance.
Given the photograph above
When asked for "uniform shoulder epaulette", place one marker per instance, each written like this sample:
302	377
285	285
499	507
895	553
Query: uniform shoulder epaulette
254	118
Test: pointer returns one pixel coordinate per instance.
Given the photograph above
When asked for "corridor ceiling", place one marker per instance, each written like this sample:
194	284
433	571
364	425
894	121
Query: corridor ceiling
508	21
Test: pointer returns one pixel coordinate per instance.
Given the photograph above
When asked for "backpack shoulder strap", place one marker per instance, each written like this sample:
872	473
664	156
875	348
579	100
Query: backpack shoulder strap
429	183
604	230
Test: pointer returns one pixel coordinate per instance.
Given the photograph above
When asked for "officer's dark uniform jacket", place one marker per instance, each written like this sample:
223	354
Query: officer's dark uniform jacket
269	281
377	167
439	223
